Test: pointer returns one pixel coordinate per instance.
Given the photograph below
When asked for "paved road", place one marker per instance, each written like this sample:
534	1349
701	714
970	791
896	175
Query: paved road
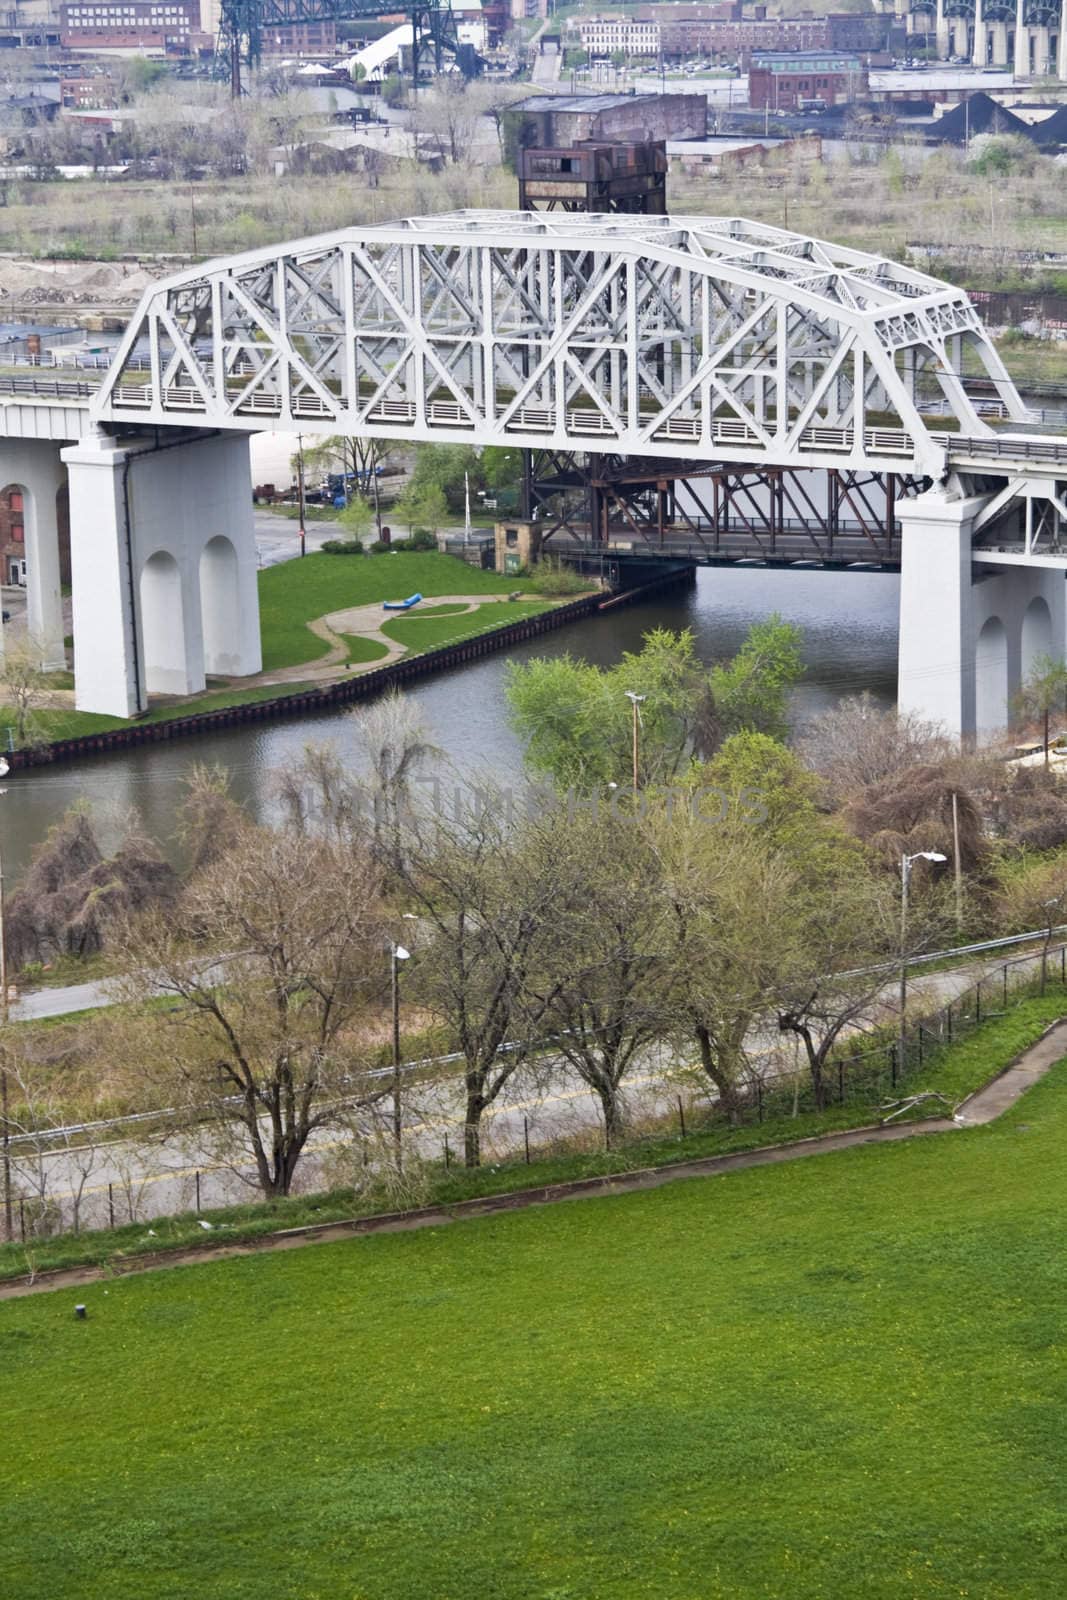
153	1176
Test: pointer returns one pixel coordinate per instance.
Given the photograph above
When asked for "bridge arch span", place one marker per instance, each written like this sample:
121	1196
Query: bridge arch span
686	337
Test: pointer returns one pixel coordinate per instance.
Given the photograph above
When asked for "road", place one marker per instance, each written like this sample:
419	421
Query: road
153	1176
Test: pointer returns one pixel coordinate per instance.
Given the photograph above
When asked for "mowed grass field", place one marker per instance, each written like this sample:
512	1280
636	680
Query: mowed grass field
841	1377
294	593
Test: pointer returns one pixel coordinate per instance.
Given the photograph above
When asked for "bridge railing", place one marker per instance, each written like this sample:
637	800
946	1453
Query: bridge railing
580	421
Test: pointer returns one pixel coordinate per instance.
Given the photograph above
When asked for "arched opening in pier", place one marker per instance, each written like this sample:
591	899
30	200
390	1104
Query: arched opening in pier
219	603
163	626
991	679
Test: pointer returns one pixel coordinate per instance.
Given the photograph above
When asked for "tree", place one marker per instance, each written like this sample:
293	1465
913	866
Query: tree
270	1039
731	894
576	719
1044	691
486	896
424	510
445	468
73	900
597	979
857	743
445	120
752	690
357	518
24	688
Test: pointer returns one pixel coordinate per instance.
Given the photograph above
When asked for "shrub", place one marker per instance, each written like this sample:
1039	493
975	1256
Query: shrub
343	547
551	580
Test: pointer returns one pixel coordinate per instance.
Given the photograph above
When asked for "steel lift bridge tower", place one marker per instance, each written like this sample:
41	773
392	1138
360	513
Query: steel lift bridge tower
702	342
243	23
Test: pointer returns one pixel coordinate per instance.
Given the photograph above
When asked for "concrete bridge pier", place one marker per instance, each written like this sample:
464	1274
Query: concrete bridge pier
969	635
163	562
32	469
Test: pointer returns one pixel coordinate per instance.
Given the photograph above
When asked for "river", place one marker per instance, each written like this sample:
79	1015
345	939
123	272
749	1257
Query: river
849	626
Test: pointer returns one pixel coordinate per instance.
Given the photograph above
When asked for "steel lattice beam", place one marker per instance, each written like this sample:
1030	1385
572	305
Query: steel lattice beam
688	337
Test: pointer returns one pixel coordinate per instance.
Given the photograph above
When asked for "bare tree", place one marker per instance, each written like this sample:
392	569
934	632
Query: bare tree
486	896
858	743
600	971
274	1045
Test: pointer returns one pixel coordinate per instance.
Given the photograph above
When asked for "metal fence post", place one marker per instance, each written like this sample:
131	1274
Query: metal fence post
681	1116
841	1083
448	1154
22	1220
759	1097
526	1138
893	1065
198	1191
110	1206
978	1001
1004	971
948	1021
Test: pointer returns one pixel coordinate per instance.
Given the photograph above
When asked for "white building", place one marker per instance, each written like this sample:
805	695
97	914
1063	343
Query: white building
603	36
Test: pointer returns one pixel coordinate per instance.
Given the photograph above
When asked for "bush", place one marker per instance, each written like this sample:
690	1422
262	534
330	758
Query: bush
343	547
551	580
380	548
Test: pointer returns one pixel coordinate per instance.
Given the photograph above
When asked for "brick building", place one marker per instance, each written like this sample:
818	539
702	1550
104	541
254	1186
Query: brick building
796	80
13	535
127	24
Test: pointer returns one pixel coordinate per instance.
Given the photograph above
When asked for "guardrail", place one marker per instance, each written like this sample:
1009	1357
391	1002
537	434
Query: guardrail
579	421
1000	447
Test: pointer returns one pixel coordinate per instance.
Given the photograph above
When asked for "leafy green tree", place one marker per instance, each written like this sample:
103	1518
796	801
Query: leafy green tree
444	467
751	691
423	509
357	517
577	722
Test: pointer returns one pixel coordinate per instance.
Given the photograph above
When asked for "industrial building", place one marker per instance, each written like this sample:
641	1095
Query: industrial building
798	80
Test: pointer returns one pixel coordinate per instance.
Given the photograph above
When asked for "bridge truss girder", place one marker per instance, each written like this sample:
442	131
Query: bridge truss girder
639	336
719	512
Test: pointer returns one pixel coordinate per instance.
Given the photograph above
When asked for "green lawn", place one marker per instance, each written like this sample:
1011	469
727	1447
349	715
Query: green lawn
78	724
833	1379
361	649
294	593
422	630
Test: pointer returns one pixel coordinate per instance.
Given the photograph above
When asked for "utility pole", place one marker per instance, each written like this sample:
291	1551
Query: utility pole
956	859
905	875
636	700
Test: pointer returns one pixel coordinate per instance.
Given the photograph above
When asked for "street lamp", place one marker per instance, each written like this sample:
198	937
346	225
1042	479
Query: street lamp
399	954
635	700
906	862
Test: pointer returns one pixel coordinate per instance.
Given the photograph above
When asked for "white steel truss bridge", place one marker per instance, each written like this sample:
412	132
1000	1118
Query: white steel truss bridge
681	337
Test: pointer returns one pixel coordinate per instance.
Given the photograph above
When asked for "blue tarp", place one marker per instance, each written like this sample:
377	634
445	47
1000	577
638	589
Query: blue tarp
401	605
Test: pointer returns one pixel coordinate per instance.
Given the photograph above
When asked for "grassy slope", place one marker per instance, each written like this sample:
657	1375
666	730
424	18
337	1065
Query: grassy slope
293	593
955	1072
835	1378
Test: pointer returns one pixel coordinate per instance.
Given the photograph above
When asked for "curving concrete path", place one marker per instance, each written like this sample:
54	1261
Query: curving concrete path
984	1106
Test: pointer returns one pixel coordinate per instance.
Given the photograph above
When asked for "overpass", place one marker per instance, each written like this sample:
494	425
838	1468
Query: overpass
684	341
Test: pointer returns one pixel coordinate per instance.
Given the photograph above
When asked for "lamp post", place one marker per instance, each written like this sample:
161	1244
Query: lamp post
399	954
635	700
906	862
300	491
1051	907
4	1017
